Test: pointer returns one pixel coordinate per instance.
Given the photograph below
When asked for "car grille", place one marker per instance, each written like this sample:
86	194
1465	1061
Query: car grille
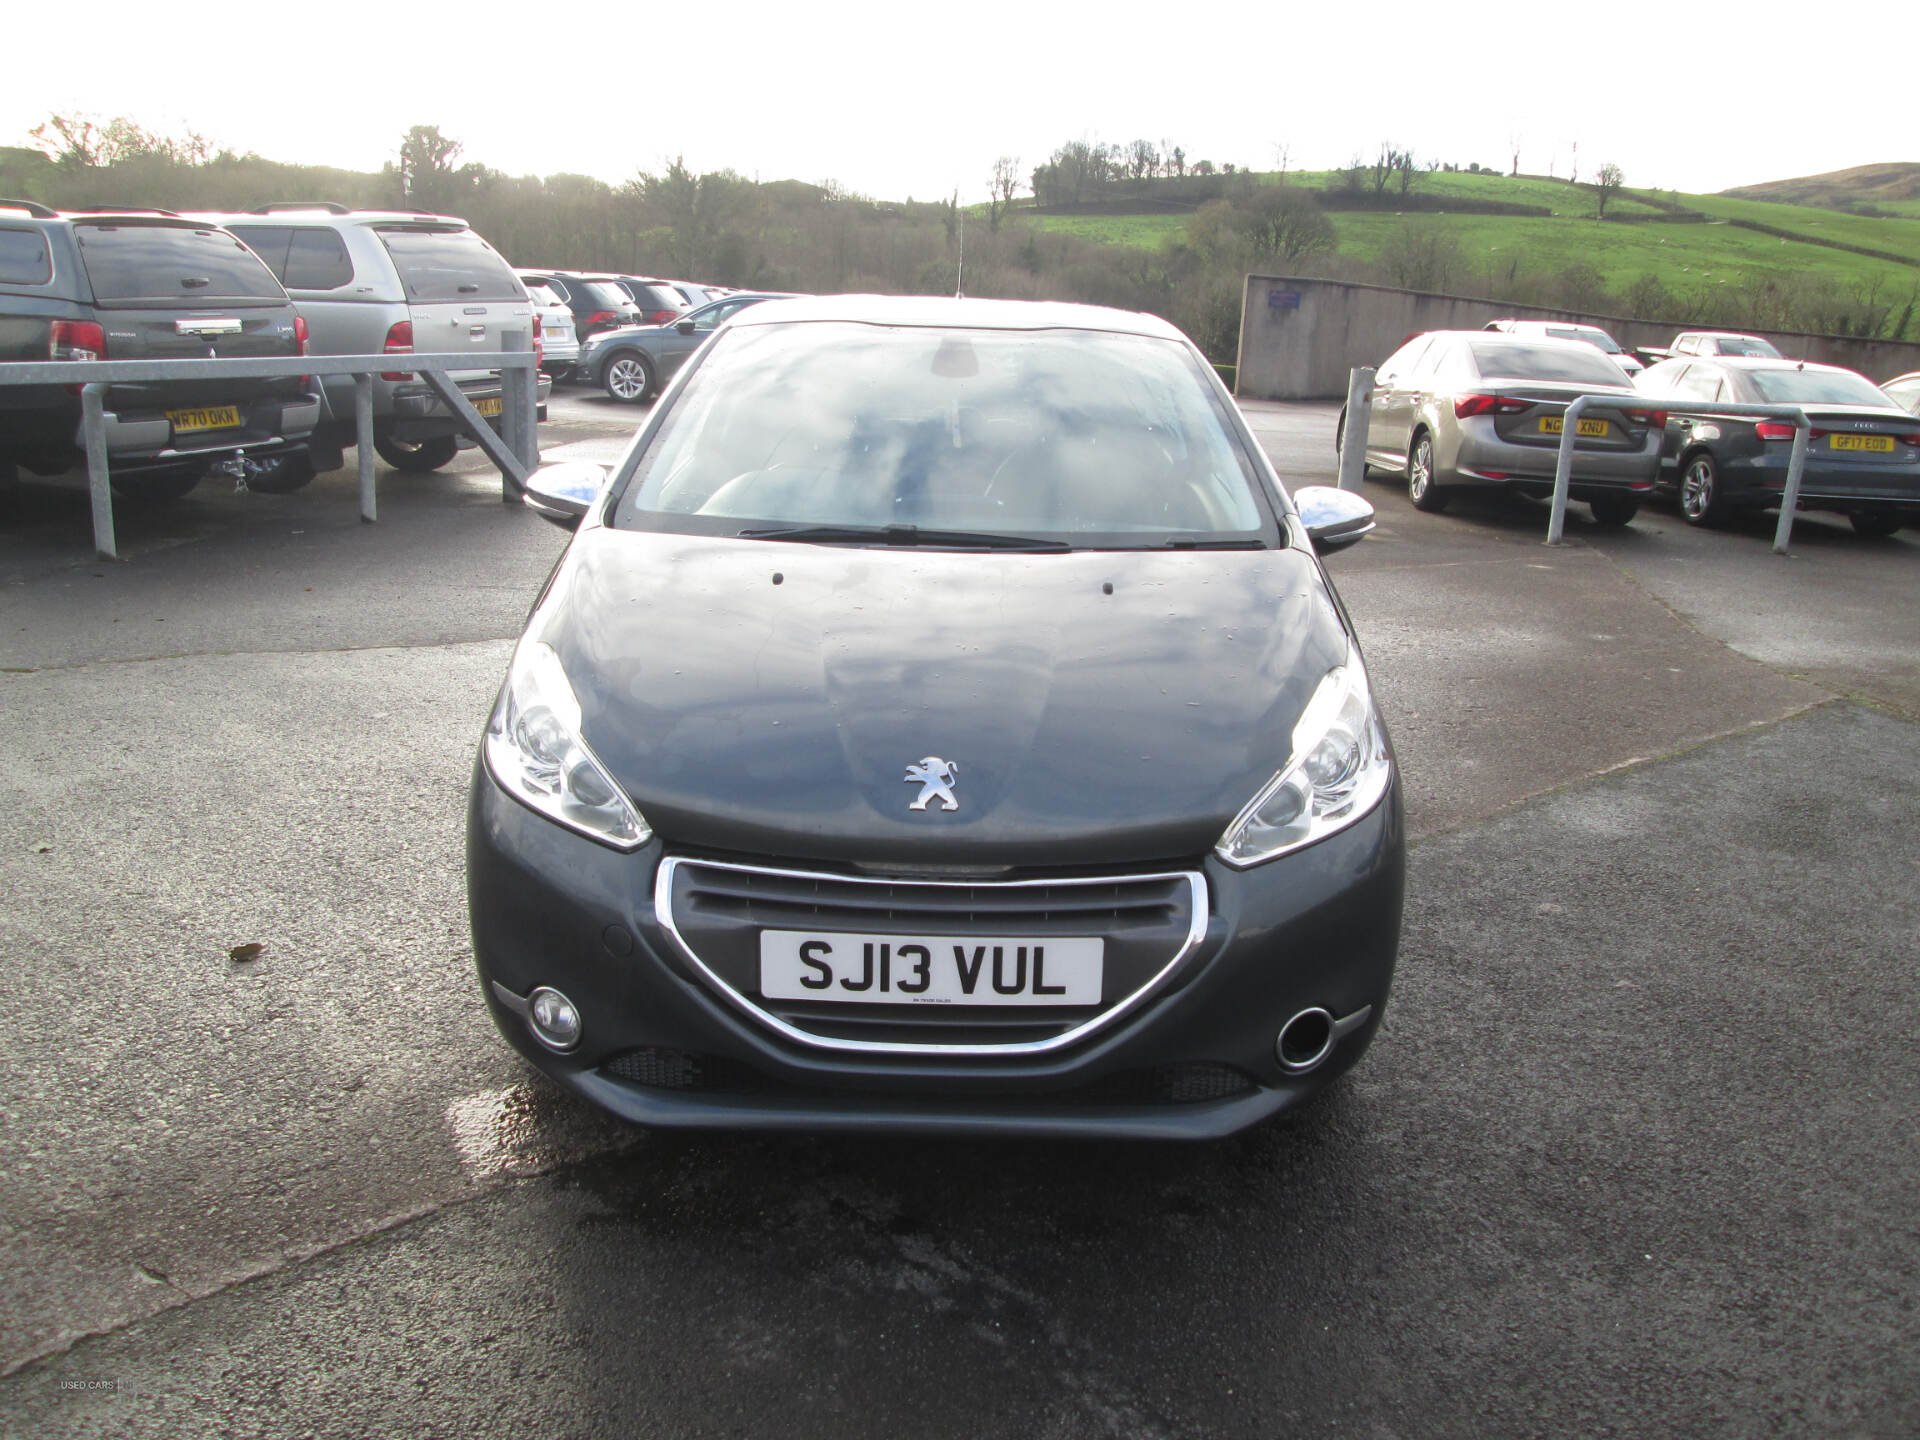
689	1072
1148	924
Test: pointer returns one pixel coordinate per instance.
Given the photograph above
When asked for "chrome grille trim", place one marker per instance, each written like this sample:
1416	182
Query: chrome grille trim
1197	914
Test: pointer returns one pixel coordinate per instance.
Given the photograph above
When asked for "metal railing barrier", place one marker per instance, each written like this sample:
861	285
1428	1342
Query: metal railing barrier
1353	431
1796	462
514	450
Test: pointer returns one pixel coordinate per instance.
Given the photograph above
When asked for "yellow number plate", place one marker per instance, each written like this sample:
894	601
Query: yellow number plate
1597	429
488	407
213	417
1861	442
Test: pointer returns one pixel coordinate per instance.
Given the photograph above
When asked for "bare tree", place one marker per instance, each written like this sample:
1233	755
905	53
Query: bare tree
1573	175
1513	143
1142	159
1610	179
1179	158
1385	162
1001	189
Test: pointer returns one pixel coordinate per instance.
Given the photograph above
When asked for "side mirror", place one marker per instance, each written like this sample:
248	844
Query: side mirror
685	327
1334	518
564	492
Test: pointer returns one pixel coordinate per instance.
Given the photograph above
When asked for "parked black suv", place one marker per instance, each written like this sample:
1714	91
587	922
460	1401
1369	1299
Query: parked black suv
598	302
148	285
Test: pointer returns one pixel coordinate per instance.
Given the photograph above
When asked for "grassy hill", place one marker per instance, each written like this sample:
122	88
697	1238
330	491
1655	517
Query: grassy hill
1869	184
1694	246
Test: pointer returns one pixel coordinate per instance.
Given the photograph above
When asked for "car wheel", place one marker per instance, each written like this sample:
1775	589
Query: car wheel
416	456
154	487
628	377
1613	509
280	474
1702	502
1420	485
1877	523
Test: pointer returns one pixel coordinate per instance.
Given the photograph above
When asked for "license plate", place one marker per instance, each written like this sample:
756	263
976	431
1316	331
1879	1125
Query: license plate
929	969
212	417
1881	443
488	407
1593	429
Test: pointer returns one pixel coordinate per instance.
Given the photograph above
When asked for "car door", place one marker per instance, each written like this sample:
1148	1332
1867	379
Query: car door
1390	411
674	349
1699	385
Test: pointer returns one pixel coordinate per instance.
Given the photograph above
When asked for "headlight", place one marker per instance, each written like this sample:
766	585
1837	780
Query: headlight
534	750
1336	774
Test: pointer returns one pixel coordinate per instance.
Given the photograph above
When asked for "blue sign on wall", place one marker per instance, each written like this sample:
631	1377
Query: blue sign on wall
1283	299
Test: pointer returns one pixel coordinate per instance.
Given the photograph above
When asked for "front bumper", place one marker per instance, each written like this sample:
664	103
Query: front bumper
1195	1059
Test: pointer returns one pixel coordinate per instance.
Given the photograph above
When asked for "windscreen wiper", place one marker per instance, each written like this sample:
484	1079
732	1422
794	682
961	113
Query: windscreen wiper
907	535
1194	542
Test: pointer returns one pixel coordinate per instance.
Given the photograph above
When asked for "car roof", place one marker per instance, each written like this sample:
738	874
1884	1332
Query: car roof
1763	362
1718	335
933	310
317	212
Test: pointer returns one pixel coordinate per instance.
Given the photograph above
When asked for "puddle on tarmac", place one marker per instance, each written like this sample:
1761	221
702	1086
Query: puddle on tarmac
528	1130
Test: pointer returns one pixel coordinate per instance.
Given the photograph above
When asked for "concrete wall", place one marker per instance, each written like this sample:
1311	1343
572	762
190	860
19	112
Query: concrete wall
1299	338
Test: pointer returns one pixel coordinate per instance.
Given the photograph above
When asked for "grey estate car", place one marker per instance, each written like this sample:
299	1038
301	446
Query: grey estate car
633	362
1457	408
940	722
392	281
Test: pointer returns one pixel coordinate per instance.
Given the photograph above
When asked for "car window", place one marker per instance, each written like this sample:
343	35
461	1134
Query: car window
173	265
317	259
270	243
24	258
1747	345
1700	382
1814	387
1403	359
448	265
1577	364
1097	438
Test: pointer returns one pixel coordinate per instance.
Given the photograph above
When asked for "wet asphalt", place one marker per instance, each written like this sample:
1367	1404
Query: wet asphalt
1633	1154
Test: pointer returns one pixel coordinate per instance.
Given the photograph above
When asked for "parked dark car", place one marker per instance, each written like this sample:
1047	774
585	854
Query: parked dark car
148	285
632	364
598	302
1453	409
657	301
1570	330
941	722
1863	459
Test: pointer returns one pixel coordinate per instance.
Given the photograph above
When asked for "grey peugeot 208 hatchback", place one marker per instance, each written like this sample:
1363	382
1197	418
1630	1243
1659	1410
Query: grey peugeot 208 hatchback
941	721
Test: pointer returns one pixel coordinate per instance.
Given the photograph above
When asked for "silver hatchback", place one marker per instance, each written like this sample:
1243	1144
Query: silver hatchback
1469	408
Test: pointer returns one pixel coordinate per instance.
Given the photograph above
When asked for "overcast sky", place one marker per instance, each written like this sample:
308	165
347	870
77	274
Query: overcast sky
899	99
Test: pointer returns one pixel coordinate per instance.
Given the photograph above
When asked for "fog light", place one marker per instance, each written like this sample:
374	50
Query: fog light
553	1019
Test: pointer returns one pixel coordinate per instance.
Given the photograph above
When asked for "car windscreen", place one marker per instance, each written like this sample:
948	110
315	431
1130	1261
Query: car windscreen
654	297
604	294
1743	345
1598	338
449	265
173	266
1577	364
24	259
1814	387
1084	437
543	295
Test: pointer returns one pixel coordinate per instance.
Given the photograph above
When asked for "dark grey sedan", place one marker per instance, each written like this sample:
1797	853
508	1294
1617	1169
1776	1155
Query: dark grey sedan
941	722
632	363
1863	459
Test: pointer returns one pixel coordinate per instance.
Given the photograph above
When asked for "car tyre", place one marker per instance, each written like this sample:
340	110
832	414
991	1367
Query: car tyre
154	487
1613	509
416	456
280	474
1421	489
1703	501
628	377
1877	523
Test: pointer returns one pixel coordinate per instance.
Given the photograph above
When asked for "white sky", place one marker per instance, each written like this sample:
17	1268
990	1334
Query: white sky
903	99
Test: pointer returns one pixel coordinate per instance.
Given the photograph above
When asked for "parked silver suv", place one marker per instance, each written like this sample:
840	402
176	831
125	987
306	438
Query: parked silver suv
392	281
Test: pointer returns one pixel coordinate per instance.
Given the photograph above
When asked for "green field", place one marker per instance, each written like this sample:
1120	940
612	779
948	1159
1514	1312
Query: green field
1685	257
